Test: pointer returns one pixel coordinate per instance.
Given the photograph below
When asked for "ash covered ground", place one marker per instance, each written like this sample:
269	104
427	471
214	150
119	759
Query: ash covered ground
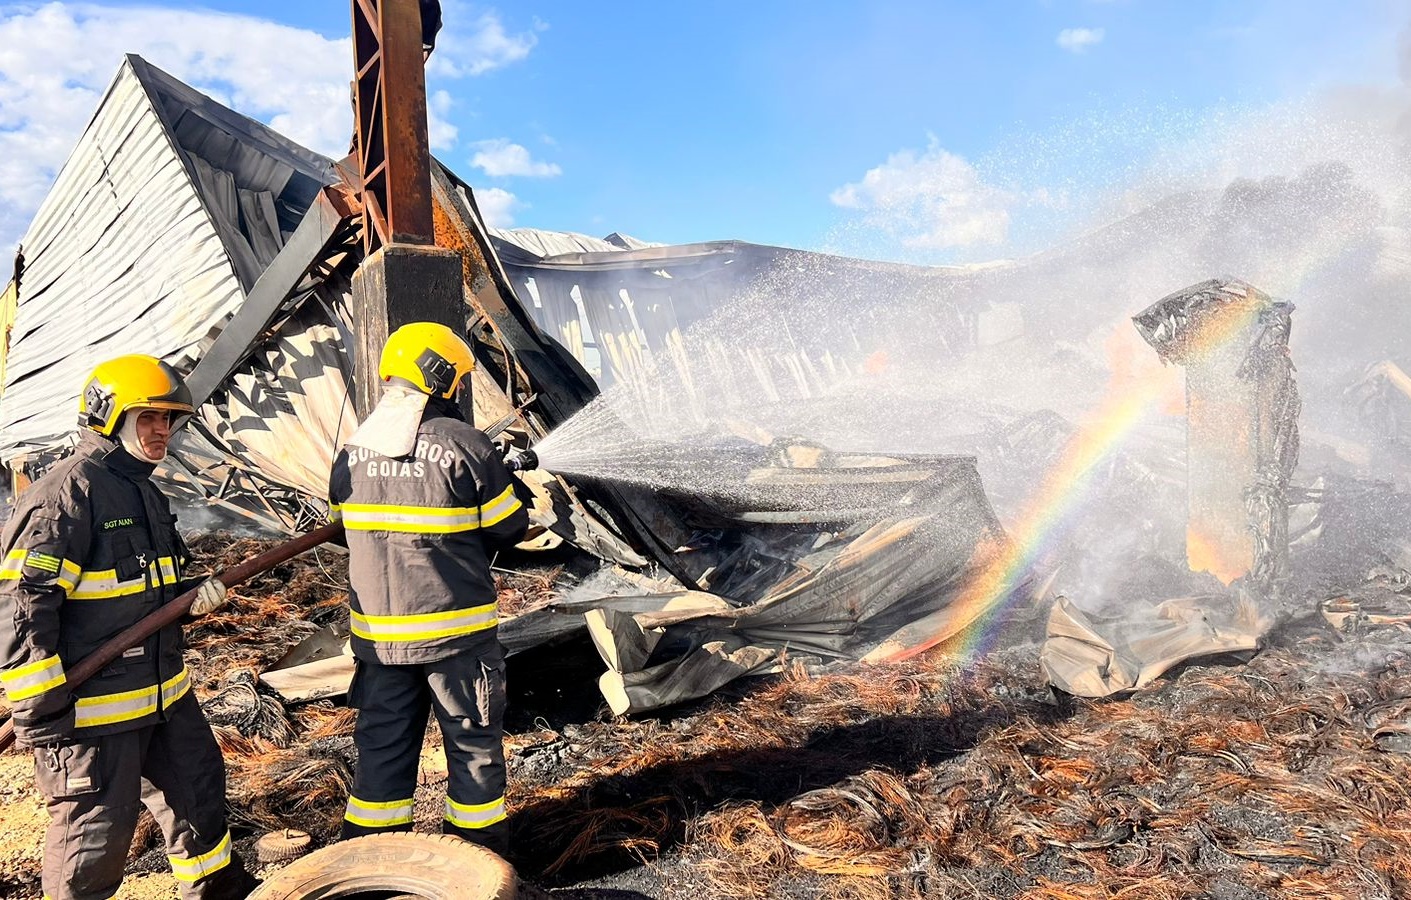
1281	775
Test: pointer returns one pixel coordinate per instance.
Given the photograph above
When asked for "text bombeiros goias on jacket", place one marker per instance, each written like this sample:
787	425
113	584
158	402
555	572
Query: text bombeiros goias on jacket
378	466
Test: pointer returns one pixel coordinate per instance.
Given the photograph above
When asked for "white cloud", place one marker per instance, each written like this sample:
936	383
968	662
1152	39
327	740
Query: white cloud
497	206
440	133
933	200
499	159
482	46
1078	40
59	58
56	60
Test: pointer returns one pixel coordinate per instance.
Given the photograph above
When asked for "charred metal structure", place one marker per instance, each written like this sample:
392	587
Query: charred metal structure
280	339
1242	407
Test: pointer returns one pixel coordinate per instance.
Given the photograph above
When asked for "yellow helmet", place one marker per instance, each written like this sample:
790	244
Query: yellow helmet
130	382
427	355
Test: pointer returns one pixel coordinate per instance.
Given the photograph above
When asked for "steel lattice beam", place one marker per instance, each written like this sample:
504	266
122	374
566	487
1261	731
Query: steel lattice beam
389	101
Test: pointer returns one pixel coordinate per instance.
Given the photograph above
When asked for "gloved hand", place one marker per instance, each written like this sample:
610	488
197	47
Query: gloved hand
209	596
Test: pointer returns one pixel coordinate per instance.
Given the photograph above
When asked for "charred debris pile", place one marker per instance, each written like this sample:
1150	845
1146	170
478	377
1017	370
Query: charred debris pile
1272	779
1219	755
1283	774
1241	741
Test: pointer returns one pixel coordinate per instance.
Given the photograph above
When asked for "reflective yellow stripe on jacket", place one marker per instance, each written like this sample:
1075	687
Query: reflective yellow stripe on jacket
16	560
475	815
108	709
105	584
10	568
499	509
425	626
33	679
425	519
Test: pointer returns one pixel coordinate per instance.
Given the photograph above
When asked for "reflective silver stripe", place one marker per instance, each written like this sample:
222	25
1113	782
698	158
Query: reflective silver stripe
475	815
499	509
70	577
102	585
195	868
167	569
107	709
425	519
424	626
378	814
105	584
33	679
413	519
175	687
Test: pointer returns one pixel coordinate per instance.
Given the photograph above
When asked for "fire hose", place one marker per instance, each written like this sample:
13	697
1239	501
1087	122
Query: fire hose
173	610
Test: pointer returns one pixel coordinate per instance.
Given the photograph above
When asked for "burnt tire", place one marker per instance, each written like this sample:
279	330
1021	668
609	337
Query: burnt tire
282	845
400	865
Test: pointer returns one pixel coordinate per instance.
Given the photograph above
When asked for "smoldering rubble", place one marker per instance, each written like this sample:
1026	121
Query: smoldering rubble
1281	776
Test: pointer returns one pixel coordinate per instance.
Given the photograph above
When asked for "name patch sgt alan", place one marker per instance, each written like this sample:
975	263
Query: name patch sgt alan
375	465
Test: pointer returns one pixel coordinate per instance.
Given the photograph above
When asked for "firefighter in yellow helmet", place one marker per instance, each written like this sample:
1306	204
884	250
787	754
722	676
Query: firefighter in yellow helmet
426	500
90	549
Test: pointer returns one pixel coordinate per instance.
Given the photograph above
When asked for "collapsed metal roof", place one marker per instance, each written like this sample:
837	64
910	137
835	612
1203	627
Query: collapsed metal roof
528	244
246	287
166	212
182	229
215	289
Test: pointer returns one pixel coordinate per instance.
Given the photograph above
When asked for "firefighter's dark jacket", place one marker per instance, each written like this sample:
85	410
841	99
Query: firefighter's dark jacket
90	548
420	530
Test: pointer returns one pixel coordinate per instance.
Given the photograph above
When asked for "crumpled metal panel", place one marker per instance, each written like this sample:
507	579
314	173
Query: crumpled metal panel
287	409
896	585
1090	657
530	243
120	258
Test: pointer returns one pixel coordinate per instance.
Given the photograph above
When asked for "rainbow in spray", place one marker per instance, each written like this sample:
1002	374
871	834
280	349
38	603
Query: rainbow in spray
1003	567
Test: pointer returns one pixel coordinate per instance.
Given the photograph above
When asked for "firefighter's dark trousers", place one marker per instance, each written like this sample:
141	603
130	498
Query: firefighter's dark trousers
96	787
393	702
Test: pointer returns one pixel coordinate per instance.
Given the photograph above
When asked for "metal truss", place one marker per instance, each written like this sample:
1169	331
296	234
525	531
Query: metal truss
390	139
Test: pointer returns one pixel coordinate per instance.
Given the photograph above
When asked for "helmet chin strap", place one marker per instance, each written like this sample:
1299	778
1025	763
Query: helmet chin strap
127	436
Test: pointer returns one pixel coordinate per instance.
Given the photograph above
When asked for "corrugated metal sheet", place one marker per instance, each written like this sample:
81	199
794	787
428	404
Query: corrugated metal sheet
287	409
628	315
121	258
535	242
628	242
528	243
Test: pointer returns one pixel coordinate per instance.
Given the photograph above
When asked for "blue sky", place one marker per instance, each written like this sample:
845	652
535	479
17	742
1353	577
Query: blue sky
760	121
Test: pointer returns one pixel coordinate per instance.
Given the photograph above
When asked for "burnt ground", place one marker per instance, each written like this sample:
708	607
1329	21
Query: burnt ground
1280	776
1224	780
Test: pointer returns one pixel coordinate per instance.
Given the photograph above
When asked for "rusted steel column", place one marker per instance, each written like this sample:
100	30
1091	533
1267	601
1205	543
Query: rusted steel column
404	277
389	99
399	284
1242	410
